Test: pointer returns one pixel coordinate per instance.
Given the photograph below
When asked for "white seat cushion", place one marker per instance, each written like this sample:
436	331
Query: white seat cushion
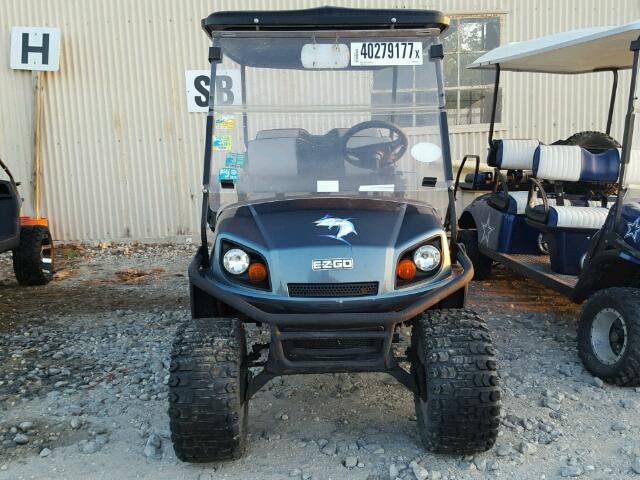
558	162
520	200
515	154
577	217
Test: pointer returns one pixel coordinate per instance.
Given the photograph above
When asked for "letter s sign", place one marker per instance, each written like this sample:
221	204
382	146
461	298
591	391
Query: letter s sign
228	89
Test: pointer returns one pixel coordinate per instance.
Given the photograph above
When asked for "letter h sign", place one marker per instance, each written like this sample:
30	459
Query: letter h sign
35	49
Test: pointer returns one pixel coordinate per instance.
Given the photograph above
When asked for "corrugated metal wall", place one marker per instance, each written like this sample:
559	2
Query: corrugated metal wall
122	157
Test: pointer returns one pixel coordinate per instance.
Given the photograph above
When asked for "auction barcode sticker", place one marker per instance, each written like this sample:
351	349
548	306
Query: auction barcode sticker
365	54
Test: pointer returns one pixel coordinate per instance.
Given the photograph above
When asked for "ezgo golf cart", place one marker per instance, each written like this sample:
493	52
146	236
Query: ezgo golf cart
28	238
320	202
567	214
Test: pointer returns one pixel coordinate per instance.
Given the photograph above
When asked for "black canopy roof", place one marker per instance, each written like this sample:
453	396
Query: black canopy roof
324	18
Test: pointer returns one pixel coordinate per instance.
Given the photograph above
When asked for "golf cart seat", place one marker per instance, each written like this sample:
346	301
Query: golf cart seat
568	225
565	164
510	155
290	155
512	158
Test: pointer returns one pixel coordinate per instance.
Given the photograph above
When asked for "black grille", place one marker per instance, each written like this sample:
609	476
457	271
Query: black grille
362	289
333	345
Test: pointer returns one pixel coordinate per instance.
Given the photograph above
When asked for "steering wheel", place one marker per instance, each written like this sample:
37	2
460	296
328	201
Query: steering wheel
376	155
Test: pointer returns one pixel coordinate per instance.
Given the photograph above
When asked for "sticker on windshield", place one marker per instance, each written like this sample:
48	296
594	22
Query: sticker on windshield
377	188
225	122
328	186
364	54
235	160
222	142
226	174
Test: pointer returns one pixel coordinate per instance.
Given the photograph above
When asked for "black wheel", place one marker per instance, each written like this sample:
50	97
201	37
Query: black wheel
34	257
456	369
481	263
207	410
609	336
592	140
595	142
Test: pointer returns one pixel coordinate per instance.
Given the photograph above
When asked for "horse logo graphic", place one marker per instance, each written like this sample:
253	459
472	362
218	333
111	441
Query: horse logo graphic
343	225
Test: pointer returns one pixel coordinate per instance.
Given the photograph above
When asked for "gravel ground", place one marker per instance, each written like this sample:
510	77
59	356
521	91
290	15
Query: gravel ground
83	373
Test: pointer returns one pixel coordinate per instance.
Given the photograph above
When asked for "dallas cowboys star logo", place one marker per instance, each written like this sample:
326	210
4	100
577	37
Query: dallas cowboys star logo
632	229
487	229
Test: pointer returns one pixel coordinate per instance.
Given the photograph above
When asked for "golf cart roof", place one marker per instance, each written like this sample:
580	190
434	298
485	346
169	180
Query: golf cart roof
576	51
324	18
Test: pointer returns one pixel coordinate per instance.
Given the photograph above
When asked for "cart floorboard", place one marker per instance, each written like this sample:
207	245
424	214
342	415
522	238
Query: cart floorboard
537	267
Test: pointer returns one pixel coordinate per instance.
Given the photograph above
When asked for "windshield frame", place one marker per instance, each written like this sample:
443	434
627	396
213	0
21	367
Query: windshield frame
434	54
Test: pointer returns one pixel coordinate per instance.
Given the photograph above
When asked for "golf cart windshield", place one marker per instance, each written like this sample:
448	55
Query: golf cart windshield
326	113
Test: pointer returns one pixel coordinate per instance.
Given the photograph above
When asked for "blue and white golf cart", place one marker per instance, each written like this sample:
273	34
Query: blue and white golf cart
567	213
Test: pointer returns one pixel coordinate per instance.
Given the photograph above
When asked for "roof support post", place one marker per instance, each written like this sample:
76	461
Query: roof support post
612	101
436	55
627	139
215	57
494	105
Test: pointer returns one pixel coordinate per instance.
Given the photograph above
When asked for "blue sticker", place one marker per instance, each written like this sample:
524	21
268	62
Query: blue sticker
228	174
235	160
222	142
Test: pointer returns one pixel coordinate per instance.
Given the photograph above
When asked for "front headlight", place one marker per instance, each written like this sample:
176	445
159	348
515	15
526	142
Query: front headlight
427	258
236	261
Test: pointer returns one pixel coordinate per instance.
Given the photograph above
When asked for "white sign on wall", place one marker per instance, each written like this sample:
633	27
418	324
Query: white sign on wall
35	49
228	89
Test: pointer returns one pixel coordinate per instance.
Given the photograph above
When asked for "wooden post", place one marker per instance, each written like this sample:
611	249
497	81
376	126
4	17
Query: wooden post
37	140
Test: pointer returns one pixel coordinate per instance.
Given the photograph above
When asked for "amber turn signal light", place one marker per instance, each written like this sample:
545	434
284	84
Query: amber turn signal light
257	272
406	270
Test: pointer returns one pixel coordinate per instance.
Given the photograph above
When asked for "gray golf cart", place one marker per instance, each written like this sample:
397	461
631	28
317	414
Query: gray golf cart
320	199
566	213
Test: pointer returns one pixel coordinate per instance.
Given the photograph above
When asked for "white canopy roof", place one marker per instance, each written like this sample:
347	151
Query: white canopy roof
575	51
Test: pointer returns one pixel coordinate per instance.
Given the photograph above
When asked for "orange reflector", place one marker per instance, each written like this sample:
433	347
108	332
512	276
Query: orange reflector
34	222
257	272
406	270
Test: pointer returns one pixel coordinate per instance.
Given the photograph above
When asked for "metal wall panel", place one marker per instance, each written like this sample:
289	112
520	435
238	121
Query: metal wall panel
122	157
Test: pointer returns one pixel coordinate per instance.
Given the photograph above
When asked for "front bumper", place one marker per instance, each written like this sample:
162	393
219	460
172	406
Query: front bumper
356	312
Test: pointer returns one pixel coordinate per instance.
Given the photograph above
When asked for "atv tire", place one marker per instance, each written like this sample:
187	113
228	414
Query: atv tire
482	264
459	410
33	259
592	140
609	336
207	407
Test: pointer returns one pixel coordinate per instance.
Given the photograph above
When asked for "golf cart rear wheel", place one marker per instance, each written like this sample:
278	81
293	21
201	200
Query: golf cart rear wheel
609	336
207	410
33	259
459	410
481	263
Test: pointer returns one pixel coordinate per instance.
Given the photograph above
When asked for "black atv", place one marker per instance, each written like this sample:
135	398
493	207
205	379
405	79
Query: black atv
28	238
320	199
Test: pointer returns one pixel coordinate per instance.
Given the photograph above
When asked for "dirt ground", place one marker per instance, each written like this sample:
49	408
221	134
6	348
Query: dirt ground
83	372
